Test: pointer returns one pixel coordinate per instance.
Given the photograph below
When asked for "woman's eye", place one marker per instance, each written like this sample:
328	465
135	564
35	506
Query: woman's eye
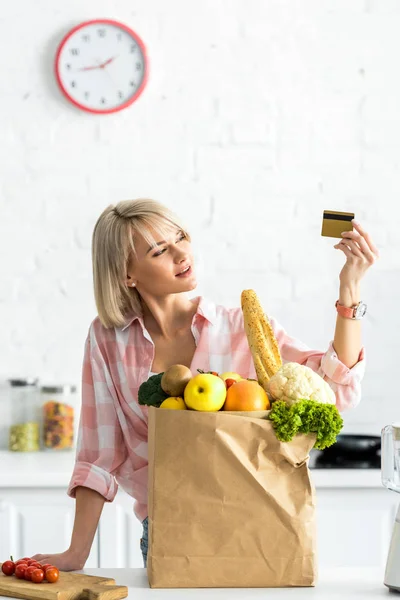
182	237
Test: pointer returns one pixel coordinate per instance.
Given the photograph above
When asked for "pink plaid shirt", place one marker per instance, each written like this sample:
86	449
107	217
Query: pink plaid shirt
112	439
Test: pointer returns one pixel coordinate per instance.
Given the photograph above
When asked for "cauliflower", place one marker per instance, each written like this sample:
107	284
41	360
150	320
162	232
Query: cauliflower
294	382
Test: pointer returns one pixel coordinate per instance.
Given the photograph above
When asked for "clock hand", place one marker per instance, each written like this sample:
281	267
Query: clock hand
106	71
99	66
89	68
107	62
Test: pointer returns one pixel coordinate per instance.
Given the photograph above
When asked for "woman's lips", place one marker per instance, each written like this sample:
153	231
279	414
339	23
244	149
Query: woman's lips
186	273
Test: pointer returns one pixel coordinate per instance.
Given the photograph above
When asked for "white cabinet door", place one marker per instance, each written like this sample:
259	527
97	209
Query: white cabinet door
38	521
120	533
354	526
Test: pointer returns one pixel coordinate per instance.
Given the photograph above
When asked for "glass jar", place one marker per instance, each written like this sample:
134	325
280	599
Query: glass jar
58	410
5	419
24	432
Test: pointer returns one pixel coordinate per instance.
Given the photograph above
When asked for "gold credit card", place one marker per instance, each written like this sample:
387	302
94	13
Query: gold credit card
333	223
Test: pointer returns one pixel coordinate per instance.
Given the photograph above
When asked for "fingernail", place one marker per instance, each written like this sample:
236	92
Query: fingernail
355	222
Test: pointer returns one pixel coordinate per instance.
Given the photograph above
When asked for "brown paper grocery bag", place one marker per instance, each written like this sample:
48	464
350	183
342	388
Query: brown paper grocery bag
229	504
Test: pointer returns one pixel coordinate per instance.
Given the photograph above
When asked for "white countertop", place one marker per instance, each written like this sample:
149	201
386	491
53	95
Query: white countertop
53	470
347	584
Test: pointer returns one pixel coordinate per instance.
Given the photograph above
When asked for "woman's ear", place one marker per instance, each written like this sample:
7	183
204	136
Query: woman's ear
130	273
130	281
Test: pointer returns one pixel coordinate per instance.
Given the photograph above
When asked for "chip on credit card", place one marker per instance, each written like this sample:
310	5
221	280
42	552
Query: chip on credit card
334	222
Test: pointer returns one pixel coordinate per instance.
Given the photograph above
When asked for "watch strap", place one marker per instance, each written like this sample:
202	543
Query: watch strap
346	311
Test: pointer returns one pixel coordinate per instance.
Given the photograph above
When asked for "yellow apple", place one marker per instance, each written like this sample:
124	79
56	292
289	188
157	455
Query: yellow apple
231	375
205	392
174	402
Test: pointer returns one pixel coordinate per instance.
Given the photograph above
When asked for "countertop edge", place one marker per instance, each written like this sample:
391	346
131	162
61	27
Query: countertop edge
54	470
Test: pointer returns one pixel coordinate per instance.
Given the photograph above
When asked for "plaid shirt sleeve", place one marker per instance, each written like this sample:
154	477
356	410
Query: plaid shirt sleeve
345	382
100	445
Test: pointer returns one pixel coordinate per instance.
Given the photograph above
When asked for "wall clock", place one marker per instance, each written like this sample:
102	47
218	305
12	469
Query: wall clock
101	66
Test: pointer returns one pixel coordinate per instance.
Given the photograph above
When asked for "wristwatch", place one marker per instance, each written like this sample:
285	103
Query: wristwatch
354	312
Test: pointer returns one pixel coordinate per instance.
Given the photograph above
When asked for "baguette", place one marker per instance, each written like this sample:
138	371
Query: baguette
262	341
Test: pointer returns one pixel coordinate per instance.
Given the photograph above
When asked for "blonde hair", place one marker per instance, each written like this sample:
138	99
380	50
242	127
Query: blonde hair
113	242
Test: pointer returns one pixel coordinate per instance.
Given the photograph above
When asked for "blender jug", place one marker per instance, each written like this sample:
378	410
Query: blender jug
391	479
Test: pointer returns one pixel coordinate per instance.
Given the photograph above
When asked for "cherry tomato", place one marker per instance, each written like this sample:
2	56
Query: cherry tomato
20	571
46	566
29	571
31	561
8	567
229	382
37	576
52	574
21	561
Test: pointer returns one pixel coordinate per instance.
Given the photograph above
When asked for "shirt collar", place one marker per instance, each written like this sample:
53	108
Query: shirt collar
205	308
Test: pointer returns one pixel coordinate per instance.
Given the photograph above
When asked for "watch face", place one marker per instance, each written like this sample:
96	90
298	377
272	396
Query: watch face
361	310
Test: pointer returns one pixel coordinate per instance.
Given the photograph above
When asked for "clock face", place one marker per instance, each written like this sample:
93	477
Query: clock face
101	66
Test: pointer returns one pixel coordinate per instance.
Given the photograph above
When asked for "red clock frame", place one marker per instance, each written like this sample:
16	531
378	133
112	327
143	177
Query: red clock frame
139	42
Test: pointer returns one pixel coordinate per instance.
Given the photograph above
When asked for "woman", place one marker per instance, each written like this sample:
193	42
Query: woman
143	268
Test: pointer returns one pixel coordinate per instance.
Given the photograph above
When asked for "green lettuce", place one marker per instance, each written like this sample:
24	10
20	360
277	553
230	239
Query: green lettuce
306	416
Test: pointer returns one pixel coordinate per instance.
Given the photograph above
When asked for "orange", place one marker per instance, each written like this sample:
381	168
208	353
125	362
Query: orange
246	395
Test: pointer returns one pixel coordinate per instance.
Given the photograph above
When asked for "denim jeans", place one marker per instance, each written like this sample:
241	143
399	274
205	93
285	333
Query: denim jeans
144	541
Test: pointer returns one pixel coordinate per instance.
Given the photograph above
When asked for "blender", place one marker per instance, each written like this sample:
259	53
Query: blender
391	480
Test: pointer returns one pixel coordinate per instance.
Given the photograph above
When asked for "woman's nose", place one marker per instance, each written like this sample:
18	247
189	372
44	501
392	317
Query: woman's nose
181	256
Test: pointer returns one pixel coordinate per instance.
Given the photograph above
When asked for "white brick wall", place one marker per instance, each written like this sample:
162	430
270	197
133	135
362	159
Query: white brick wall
257	116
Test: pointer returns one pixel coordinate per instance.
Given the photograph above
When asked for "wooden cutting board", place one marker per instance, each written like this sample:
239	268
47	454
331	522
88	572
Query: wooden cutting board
70	586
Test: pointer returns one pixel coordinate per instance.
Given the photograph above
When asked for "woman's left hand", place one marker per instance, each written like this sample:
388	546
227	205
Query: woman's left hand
361	254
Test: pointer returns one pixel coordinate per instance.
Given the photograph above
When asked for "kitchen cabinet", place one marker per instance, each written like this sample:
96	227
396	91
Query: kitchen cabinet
354	526
120	533
355	515
38	521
